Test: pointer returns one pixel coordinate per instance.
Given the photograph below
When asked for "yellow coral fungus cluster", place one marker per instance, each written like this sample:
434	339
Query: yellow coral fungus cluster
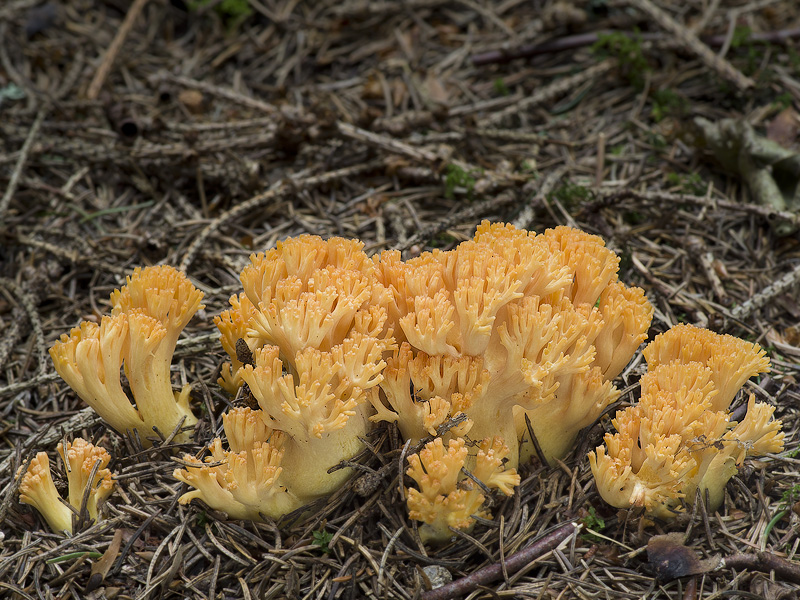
242	481
679	439
475	353
444	498
147	317
80	459
314	318
506	325
509	324
509	328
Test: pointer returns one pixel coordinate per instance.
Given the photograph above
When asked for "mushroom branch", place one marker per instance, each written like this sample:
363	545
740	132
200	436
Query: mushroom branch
313	316
243	481
444	500
88	482
679	440
148	315
508	324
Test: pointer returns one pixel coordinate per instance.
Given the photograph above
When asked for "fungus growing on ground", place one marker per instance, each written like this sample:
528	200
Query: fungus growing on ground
445	498
678	438
313	316
148	315
79	457
329	341
504	326
243	481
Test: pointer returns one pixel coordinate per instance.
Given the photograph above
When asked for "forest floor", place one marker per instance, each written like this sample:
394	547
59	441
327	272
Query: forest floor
195	133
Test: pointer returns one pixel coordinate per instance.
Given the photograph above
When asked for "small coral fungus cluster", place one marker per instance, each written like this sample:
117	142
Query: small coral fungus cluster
89	484
678	440
147	316
313	317
484	355
138	338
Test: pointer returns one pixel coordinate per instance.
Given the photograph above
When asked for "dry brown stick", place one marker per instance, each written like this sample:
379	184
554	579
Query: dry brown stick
513	563
111	54
365	8
284	188
700	252
762	297
23	157
703	201
493	18
580	40
28	314
400	125
221	92
557	88
74	256
693	43
569	42
469	214
387	143
27	384
764	562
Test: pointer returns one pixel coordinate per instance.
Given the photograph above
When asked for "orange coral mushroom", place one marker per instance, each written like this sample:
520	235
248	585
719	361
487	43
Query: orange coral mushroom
678	439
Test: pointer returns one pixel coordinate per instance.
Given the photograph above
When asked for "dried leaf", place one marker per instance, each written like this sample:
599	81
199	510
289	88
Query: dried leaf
372	90
563	14
101	568
792	335
784	127
670	559
786	343
399	92
192	100
762	587
436	90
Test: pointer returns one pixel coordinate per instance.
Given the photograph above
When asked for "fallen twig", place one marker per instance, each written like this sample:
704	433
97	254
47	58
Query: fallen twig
557	88
691	41
387	143
761	298
111	54
26	314
23	157
221	92
581	40
513	563
767	212
764	562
